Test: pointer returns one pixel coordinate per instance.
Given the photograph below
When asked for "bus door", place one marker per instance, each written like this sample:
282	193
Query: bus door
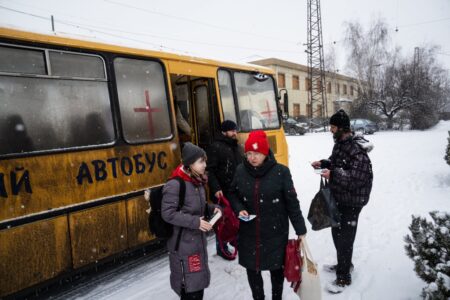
196	109
206	121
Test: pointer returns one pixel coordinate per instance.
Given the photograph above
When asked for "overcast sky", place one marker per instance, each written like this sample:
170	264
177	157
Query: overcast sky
232	30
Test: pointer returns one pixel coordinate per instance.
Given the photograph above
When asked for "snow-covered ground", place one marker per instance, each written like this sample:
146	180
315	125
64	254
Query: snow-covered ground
410	177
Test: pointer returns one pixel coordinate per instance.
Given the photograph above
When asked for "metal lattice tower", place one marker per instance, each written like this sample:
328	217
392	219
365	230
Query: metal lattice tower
317	95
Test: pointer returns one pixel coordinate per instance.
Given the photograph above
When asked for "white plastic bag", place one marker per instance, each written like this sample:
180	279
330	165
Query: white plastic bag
310	288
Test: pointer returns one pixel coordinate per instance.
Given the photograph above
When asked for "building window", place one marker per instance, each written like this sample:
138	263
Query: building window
344	87
308	110
329	87
295	82
338	88
281	80
319	85
351	90
319	110
307	84
296	110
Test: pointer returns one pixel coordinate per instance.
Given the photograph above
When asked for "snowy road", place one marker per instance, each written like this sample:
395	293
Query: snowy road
410	177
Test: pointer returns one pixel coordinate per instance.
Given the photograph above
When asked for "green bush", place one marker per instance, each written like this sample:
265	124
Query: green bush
429	247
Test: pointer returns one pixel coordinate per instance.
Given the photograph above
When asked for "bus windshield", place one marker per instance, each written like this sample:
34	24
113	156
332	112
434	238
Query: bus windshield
256	101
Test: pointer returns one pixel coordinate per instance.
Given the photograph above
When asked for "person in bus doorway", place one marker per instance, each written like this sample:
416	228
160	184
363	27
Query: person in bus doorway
224	155
350	176
264	188
189	271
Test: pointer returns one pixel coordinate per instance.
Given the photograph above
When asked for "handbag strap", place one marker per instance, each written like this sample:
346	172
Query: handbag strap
323	182
308	261
307	252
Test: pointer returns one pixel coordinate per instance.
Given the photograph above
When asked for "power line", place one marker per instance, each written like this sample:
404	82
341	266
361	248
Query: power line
187	41
426	22
81	26
141	9
158	13
59	13
90	27
25	13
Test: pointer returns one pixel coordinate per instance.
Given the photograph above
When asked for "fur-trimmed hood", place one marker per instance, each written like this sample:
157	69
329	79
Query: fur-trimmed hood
365	144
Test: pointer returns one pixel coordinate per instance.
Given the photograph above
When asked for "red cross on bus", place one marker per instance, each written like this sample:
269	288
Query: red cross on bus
149	110
268	112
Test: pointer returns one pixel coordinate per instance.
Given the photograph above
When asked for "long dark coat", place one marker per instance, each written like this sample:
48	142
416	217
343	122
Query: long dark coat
224	155
188	265
268	192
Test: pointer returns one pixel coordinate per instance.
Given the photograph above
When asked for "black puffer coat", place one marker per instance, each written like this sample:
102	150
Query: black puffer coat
268	192
351	173
224	155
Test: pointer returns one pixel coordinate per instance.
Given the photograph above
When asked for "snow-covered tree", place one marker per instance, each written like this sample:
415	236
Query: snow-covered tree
447	154
429	247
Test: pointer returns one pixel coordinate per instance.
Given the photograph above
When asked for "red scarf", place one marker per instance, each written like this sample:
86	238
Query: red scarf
196	180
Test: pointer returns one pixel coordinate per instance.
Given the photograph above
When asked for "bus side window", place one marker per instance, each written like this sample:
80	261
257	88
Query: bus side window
226	96
49	113
143	100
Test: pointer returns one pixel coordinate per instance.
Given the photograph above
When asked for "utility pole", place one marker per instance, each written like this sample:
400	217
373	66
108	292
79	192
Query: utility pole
53	23
316	69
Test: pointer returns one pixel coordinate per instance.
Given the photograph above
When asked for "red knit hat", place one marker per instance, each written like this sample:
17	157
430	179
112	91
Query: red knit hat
257	141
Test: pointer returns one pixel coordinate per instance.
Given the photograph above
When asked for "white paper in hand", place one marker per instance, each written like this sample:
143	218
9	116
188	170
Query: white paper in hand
215	217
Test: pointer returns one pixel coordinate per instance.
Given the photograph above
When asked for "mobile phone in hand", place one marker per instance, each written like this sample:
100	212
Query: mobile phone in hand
247	218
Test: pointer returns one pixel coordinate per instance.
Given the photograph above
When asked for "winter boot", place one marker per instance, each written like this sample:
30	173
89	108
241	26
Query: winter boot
332	268
338	286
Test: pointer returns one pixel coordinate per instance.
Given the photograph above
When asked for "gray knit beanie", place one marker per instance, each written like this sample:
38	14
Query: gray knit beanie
191	153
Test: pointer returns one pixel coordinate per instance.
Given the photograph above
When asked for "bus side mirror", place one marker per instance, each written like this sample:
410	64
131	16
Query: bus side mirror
286	104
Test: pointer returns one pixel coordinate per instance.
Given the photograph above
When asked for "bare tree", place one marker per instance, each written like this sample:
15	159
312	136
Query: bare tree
388	84
330	59
368	50
430	88
393	88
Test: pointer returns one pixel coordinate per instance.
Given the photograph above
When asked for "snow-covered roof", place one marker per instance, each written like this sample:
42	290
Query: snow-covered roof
343	100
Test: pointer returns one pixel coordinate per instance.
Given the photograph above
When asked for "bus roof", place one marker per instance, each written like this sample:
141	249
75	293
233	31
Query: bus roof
85	44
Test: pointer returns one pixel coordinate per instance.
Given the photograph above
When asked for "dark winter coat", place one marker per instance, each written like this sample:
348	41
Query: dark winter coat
224	155
188	265
351	173
267	192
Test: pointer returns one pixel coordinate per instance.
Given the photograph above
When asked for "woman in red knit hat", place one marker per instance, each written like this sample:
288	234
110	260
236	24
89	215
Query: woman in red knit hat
264	188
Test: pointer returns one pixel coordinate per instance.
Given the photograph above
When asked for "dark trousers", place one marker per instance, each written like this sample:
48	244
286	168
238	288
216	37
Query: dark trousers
197	295
343	238
256	283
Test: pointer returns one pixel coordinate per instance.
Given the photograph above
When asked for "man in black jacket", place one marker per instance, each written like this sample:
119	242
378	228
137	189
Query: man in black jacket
349	171
224	155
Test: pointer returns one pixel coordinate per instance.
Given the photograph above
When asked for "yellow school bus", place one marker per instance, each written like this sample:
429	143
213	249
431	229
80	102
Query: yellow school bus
86	127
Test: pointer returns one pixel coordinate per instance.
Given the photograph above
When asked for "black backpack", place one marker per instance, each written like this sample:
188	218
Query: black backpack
159	227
